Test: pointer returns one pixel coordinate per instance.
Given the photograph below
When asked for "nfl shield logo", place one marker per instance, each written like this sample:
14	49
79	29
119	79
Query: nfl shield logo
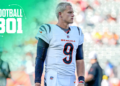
67	36
51	77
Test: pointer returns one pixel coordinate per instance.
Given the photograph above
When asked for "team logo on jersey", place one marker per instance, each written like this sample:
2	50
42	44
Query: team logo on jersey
67	40
51	77
68	36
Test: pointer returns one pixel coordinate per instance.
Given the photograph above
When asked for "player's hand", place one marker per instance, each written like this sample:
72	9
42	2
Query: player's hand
81	85
37	84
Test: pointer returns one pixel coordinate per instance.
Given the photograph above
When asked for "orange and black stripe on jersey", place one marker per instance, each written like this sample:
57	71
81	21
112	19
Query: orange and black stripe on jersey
43	27
49	27
68	30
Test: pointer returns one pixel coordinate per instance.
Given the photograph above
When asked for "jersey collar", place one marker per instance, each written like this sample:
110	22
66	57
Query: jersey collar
63	29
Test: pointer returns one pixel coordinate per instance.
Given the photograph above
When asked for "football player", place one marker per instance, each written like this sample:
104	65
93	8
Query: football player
60	46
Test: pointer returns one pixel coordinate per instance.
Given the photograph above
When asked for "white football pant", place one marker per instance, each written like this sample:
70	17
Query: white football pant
54	79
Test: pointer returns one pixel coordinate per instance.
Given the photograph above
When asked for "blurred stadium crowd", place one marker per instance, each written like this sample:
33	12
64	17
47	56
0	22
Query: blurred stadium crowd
100	23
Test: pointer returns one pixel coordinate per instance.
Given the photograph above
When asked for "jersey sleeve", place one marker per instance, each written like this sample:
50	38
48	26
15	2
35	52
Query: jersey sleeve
44	33
81	37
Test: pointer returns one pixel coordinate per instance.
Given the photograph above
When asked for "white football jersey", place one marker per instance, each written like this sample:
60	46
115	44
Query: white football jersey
61	53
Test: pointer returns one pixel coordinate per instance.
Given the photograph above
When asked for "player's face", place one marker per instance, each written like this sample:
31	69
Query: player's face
68	15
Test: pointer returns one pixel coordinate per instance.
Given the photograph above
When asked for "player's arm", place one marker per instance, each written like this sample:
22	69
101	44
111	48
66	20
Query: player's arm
80	64
42	47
